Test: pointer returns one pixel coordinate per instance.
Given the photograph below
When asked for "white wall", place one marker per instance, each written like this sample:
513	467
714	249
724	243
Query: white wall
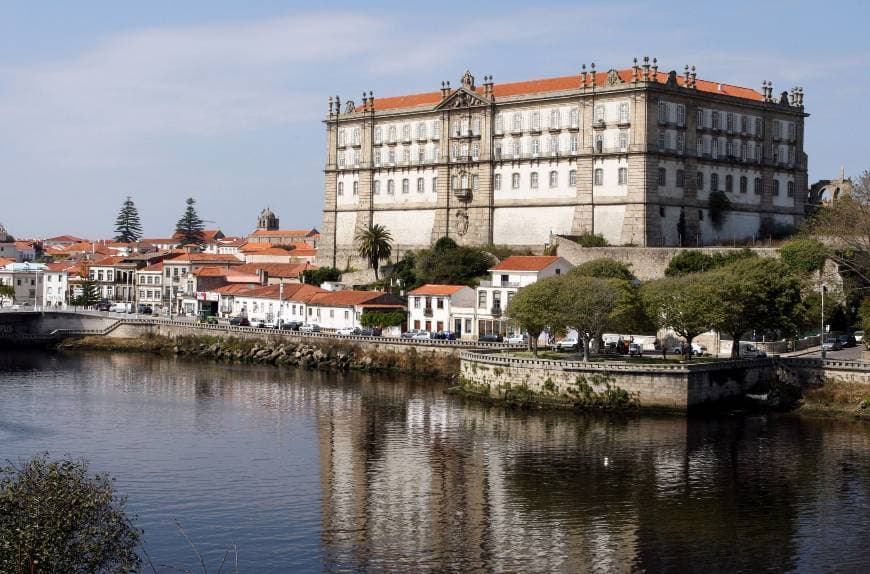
608	222
536	224
408	227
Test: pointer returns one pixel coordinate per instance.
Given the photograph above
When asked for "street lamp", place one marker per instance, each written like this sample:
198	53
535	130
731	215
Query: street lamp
822	333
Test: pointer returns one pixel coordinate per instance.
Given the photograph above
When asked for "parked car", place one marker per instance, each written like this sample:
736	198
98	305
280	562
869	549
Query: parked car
309	328
104	305
832	344
847	341
422	336
122	308
490	338
347	331
517	339
290	326
409	334
371	331
859	336
749	351
635	350
444	335
208	320
143	309
699	349
240	322
567	344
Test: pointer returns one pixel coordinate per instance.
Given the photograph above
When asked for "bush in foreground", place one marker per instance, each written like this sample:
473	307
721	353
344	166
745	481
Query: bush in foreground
56	517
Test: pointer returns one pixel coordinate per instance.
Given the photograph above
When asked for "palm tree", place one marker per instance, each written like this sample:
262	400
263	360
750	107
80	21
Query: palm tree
374	245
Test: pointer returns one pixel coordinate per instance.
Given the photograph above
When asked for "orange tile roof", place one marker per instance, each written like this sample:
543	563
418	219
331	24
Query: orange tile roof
273	251
349	298
291	292
5	261
23	244
526	263
285	233
109	261
277	269
207	234
155	267
205	258
236	288
560	84
222	272
437	289
66	238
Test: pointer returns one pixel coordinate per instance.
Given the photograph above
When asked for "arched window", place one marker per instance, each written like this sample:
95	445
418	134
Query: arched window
623	140
757	186
714	182
377	189
515	181
496	181
533	180
622	176
391	187
572	177
406	185
744	184
729	183
554	178
356	188
419	185
775	187
340	188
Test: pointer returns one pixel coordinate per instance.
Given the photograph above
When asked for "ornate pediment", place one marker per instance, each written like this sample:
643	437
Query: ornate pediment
462	98
613	78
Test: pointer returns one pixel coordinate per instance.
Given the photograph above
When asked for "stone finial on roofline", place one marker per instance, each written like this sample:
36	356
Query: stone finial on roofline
634	71
645	75
655	70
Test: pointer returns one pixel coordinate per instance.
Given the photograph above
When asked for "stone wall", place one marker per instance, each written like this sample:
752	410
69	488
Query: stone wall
670	387
645	262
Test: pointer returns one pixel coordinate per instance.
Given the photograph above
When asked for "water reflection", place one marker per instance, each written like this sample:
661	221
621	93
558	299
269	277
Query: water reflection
314	471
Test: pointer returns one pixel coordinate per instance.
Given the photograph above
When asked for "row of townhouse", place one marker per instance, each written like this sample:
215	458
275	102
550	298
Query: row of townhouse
302	303
470	313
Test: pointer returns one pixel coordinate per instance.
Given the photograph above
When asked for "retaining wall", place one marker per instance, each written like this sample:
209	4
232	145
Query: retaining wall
673	387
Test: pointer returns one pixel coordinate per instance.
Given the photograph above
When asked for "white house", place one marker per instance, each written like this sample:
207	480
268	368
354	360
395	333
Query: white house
340	309
27	279
271	303
506	278
431	307
55	285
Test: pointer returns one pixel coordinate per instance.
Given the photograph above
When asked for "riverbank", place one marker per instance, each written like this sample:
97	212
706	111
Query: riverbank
329	355
836	398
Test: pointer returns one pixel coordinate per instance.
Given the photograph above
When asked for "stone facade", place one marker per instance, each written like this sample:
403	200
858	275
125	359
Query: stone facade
629	154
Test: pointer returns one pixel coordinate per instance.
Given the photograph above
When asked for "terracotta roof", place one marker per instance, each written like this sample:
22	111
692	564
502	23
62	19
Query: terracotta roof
236	288
526	263
285	233
433	289
109	261
561	84
155	267
207	234
5	261
291	292
65	239
277	269
23	245
362	298
204	257
272	251
54	267
160	241
221	272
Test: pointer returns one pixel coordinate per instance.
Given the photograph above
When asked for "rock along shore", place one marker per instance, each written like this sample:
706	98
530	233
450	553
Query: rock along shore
329	355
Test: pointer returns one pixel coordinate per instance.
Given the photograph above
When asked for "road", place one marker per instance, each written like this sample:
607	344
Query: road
849	354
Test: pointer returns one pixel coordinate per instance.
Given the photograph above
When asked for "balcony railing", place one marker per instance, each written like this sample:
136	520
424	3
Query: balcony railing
505	284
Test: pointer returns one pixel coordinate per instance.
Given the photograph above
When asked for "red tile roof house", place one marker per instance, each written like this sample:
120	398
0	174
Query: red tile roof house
506	278
270	303
432	308
285	236
340	309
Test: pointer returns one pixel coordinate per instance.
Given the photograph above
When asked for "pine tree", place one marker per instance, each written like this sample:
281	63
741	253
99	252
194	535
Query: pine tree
127	227
89	295
189	228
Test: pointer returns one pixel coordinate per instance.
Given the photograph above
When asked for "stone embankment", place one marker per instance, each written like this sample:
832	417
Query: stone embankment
325	355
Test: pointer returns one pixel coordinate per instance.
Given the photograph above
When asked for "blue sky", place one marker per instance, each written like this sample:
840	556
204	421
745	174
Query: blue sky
223	101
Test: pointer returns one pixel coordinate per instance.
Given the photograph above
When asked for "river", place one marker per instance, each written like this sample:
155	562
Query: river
313	471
